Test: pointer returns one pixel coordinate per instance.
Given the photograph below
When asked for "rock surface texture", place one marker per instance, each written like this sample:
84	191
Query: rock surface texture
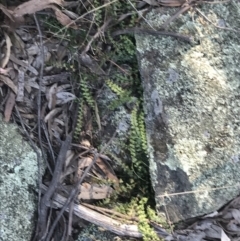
192	105
18	183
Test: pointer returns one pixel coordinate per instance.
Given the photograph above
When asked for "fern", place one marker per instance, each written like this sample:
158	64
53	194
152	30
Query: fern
85	90
136	209
143	225
142	131
124	95
124	167
115	88
137	141
79	119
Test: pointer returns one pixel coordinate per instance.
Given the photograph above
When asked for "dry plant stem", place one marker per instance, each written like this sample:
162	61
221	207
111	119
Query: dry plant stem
88	32
35	150
28	136
97	115
112	212
5	98
153	32
161	232
223	28
52	187
71	197
196	191
100	30
65	235
48	141
75	191
39	115
85	14
186	6
216	2
183	9
139	13
69	231
119	67
97	219
168	219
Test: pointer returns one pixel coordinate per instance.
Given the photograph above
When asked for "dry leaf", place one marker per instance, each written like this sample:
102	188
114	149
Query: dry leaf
85	162
24	36
5	71
5	60
152	2
85	143
23	64
69	157
236	215
64	97
9	83
21	82
107	170
97	116
9	106
123	16
224	237
47	80
64	19
51	114
89	192
94	67
213	232
17	41
28	116
233	226
31	82
63	87
82	163
211	215
7	12
33	6
33	50
51	96
70	14
171	3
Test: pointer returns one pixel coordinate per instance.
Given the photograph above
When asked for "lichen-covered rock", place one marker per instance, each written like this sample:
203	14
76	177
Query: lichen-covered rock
93	232
192	103
115	121
18	183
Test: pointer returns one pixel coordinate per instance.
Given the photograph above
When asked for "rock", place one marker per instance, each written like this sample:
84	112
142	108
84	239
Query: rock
192	106
18	185
93	232
117	121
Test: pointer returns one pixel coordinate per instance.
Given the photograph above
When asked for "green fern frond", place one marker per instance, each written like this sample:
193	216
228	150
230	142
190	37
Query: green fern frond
138	144
79	119
143	225
124	95
124	167
115	88
142	131
86	93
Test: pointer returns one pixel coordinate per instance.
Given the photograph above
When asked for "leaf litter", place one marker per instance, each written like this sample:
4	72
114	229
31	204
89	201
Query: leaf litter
84	172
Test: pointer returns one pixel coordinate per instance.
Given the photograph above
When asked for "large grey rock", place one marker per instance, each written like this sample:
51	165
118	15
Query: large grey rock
18	183
192	104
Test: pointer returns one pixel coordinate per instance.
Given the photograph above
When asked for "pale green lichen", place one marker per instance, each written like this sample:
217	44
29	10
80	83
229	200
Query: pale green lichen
94	233
18	183
197	88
